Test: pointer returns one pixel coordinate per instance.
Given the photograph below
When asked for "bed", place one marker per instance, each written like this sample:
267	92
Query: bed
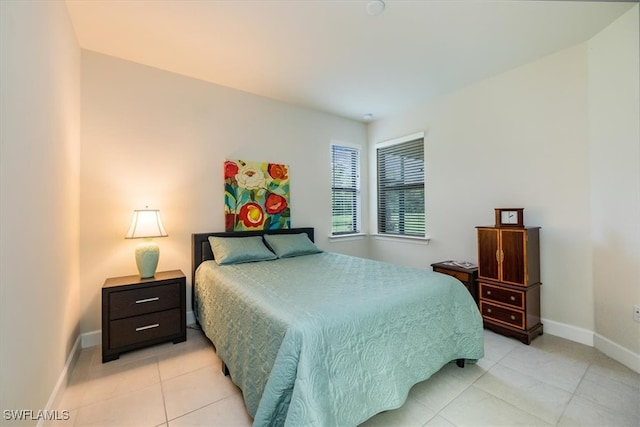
325	339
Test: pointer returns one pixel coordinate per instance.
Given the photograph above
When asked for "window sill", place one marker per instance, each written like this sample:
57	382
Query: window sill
409	239
347	237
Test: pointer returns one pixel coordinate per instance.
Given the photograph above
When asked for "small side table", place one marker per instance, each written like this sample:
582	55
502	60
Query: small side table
467	276
137	312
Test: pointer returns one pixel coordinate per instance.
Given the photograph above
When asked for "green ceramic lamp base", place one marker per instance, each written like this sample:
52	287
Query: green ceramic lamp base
147	255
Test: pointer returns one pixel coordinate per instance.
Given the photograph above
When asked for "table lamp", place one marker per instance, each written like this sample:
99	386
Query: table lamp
146	224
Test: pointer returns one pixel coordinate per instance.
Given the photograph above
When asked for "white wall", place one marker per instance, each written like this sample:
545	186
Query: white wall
150	137
39	181
518	139
561	138
614	108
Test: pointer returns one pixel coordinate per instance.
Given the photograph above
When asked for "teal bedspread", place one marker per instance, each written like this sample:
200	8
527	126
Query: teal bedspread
330	339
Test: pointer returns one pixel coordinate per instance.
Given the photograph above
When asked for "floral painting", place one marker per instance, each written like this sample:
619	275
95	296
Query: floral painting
256	196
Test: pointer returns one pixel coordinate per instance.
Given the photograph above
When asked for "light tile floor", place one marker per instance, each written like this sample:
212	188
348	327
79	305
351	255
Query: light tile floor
552	382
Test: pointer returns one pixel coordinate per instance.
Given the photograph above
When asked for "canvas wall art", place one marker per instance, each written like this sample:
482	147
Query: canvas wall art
256	196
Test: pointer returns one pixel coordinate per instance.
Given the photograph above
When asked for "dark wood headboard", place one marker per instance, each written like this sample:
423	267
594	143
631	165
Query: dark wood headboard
201	249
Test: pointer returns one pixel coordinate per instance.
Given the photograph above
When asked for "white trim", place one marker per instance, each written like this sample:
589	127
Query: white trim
551	327
347	237
86	340
618	353
562	330
91	339
397	237
361	201
395	141
63	379
373	178
592	339
570	332
191	318
345	144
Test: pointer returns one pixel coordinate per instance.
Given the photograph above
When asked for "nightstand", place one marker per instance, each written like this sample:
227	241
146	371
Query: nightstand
467	276
137	312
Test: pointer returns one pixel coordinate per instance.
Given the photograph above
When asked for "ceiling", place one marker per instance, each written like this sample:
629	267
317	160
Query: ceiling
331	55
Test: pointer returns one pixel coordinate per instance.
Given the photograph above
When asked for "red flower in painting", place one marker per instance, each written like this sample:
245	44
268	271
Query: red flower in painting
275	203
277	171
251	215
230	169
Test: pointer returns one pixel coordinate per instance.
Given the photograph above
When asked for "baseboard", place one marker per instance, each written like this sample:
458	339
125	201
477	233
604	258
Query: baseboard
86	340
617	352
63	379
562	330
91	339
570	332
590	338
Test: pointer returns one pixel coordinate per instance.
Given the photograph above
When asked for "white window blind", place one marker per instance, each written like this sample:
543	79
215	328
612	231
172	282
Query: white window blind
401	189
345	190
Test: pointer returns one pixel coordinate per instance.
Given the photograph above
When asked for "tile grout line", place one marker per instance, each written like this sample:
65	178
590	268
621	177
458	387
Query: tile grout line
439	413
201	407
573	393
164	400
543	382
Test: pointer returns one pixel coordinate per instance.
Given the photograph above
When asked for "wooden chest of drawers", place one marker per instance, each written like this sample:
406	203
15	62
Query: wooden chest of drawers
140	312
511	307
509	281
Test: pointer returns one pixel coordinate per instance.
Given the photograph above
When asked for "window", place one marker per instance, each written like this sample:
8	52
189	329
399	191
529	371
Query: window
400	165
345	190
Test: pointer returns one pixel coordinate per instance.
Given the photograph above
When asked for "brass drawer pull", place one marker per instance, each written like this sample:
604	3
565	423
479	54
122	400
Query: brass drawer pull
144	328
141	301
513	298
488	310
513	317
488	292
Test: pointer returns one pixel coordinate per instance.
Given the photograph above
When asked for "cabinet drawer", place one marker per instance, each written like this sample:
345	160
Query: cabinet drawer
463	277
134	330
134	302
508	297
502	314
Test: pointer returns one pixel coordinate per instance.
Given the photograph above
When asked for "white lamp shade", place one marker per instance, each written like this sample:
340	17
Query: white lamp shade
146	223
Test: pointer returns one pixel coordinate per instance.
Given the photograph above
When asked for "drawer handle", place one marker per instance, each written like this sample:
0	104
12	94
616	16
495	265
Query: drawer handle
488	292
144	328
513	317
513	298
488	310
142	301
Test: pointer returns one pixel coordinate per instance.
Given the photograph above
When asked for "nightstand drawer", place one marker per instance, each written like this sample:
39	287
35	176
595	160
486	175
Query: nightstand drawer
133	302
508	297
135	330
138	312
463	277
502	314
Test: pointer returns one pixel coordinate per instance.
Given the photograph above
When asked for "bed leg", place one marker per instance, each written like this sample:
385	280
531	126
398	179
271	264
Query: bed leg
460	363
225	370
